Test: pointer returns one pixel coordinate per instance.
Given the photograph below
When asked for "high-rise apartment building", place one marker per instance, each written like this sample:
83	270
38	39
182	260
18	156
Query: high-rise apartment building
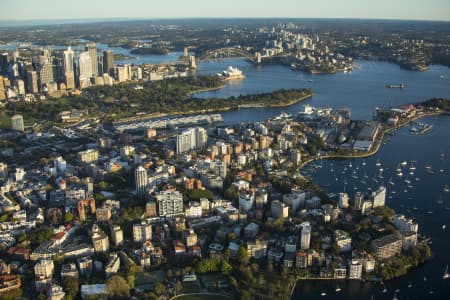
142	232
140	178
306	236
170	203
379	197
193	138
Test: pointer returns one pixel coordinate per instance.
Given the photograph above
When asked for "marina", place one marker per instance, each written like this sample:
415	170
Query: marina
409	195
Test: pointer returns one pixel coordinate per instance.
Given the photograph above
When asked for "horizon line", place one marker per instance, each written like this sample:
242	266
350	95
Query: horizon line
112	19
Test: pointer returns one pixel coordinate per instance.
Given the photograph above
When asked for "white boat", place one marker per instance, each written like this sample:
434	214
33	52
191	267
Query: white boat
378	163
446	188
446	275
399	174
444	226
404	163
323	294
409	285
338	289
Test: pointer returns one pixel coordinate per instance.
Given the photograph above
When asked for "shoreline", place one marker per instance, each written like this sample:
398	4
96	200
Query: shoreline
209	110
378	142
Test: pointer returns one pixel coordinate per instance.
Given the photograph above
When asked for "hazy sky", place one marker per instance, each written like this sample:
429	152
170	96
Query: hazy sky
80	9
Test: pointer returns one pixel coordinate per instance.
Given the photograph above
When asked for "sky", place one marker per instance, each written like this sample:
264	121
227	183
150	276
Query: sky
151	9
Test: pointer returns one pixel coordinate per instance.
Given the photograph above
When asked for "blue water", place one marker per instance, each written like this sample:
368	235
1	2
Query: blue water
362	90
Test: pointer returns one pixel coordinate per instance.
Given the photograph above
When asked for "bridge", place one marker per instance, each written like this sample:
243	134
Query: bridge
230	52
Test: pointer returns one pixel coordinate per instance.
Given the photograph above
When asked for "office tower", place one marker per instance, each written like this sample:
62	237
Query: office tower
142	232
68	56
15	55
17	123
20	85
46	74
69	74
140	177
85	65
193	138
32	82
170	203
108	61
379	197
2	89
91	48
306	236
4	63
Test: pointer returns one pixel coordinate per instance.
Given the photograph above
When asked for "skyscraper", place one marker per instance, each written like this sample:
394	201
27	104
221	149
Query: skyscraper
68	60
2	89
46	74
69	75
91	48
108	61
140	178
32	82
306	236
85	69
17	123
4	63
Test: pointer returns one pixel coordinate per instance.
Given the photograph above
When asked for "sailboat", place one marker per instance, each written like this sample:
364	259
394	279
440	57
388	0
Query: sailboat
378	163
391	182
338	289
446	188
445	275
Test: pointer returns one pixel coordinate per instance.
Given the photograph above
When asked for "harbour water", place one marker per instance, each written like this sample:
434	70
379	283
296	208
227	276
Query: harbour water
361	91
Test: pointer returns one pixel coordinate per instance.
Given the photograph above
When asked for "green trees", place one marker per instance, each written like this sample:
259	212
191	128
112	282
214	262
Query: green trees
71	287
196	194
118	288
